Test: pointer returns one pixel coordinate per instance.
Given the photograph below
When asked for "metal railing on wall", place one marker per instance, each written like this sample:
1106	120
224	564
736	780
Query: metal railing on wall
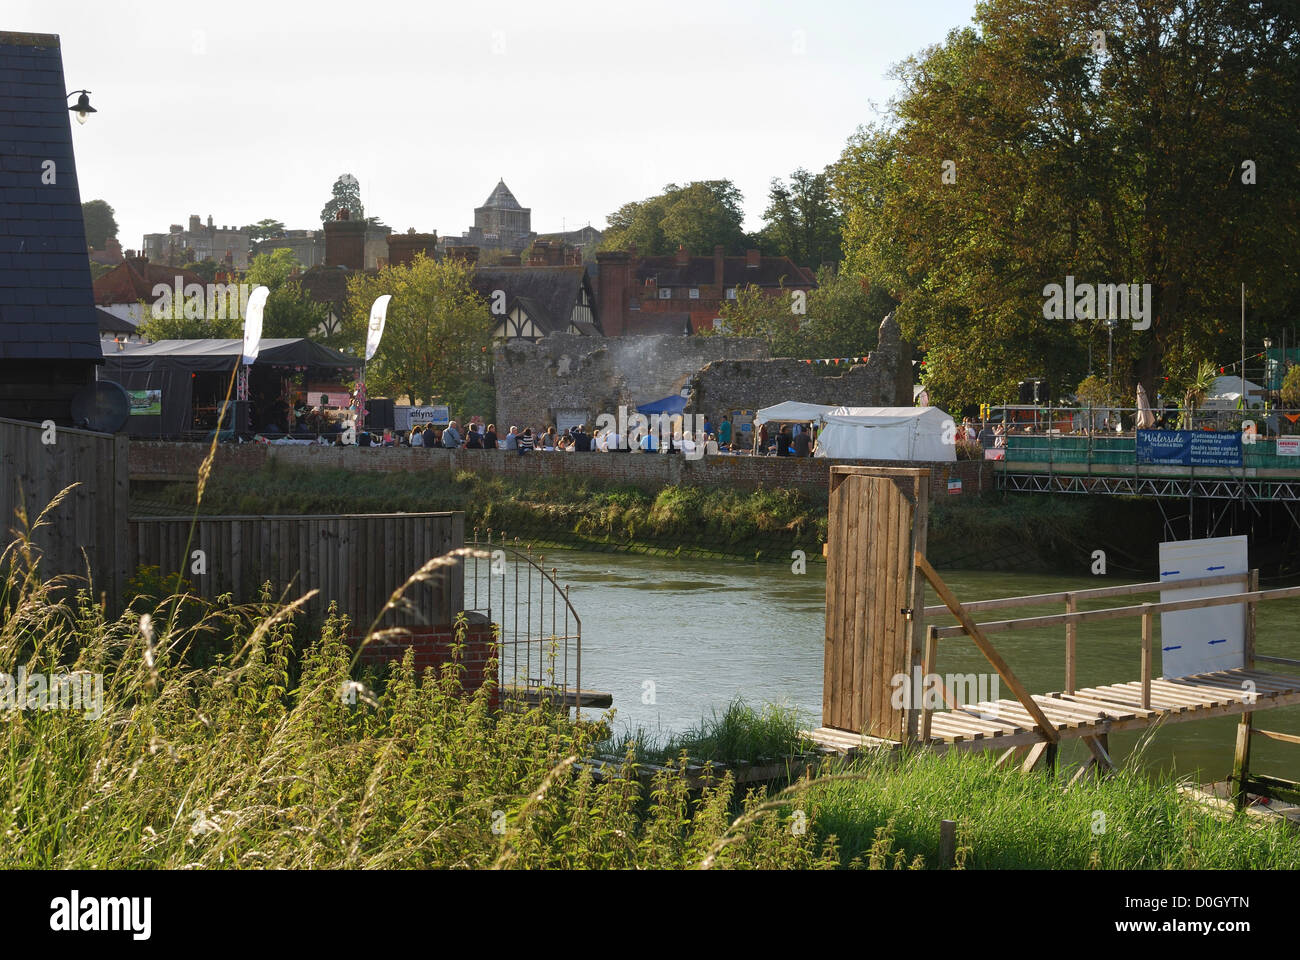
540	632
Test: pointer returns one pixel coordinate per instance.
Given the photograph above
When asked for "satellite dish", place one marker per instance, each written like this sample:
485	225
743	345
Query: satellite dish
102	406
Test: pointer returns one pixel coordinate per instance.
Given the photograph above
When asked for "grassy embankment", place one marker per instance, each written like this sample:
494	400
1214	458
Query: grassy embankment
989	532
267	757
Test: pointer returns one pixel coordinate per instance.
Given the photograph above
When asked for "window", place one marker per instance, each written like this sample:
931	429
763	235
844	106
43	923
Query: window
718	324
665	293
634	303
731	293
695	293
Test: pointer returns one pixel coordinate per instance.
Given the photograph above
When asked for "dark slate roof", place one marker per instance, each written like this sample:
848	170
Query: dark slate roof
326	284
698	271
644	323
501	198
46	307
547	294
112	323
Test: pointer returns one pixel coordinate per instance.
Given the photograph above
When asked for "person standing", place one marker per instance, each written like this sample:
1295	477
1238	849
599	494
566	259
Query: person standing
417	438
490	438
526	441
451	436
512	439
581	441
803	443
724	434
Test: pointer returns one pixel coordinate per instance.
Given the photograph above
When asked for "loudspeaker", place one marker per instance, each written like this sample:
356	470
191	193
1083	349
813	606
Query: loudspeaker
380	414
1026	388
1042	392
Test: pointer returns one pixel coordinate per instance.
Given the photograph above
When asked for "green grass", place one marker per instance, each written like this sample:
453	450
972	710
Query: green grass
707	522
273	751
740	733
1011	820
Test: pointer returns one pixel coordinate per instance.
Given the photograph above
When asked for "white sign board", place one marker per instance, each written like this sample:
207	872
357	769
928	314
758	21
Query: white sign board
1288	446
1202	641
404	417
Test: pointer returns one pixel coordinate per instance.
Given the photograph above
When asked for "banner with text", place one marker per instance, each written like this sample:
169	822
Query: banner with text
1189	448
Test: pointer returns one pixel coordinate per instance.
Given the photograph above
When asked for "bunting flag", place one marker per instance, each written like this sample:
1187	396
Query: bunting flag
839	360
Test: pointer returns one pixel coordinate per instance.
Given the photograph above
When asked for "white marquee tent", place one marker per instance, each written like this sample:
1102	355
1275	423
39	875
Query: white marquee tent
872	433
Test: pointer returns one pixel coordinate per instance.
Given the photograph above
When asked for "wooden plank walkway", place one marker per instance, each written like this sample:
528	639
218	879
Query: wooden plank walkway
533	695
1093	711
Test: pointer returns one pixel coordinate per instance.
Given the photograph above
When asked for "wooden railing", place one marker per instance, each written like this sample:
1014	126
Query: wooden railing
978	632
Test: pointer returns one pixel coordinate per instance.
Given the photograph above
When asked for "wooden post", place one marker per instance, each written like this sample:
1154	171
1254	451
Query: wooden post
1146	659
927	668
947	844
1241	763
977	635
1071	637
1252	585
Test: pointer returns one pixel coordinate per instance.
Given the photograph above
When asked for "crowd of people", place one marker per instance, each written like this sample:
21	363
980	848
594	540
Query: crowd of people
478	435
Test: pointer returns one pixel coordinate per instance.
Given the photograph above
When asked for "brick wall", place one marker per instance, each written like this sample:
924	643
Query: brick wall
158	461
433	648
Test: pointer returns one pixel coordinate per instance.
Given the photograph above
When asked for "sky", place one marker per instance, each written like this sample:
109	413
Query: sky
252	110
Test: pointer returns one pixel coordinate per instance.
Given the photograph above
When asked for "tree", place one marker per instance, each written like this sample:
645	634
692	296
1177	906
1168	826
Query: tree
346	195
264	230
757	313
802	221
289	312
438	331
697	216
205	268
101	223
1291	387
1020	152
843	316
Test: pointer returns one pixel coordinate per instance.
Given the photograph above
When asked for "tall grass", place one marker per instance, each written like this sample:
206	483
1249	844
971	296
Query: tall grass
741	733
274	752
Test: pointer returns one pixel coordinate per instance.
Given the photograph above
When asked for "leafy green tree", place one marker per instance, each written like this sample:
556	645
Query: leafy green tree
697	216
101	223
802	220
289	312
1021	151
768	316
438	333
206	269
1291	387
843	316
264	230
346	194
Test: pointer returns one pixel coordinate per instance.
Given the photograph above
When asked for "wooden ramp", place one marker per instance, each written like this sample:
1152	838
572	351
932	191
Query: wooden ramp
1094	711
882	688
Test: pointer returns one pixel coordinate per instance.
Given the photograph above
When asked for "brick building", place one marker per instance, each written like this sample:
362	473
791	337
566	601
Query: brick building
635	293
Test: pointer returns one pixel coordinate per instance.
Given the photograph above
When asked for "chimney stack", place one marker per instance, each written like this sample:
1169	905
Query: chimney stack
345	242
751	259
402	247
683	256
467	253
719	264
615	287
194	223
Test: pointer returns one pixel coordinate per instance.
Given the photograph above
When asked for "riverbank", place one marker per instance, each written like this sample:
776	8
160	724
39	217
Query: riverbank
992	532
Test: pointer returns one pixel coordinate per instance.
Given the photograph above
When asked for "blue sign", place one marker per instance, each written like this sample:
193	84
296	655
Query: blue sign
1189	448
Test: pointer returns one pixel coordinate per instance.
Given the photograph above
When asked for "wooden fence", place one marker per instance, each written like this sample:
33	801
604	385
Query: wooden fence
37	462
355	560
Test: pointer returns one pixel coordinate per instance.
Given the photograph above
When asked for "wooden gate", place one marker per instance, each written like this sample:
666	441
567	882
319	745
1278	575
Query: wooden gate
874	598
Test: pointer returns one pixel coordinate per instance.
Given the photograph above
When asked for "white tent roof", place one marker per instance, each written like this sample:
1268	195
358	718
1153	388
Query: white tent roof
1227	391
887	433
792	411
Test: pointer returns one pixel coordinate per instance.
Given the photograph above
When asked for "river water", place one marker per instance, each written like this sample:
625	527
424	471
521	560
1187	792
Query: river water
675	640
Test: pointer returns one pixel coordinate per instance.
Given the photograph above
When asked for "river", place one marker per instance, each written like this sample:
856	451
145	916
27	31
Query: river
675	640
